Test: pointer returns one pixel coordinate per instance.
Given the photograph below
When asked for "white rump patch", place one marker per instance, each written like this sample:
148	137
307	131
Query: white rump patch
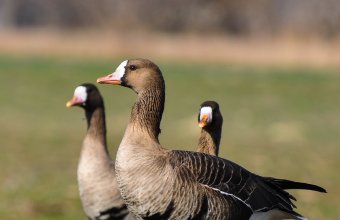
80	93
206	110
120	71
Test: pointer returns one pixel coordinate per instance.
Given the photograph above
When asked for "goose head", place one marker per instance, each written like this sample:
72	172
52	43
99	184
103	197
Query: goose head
86	96
209	115
137	74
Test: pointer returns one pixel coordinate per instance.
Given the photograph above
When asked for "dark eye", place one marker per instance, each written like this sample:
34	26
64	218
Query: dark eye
132	67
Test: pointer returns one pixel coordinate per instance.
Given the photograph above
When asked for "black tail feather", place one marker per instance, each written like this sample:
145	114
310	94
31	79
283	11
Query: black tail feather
288	184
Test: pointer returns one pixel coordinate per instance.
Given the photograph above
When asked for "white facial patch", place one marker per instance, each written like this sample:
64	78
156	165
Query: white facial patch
80	93
206	110
120	71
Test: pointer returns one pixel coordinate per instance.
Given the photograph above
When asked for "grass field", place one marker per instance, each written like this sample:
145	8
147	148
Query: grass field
278	121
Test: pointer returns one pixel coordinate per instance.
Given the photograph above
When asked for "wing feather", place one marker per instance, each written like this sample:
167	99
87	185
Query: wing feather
232	179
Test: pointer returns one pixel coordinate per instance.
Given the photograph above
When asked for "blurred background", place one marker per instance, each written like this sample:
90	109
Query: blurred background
274	67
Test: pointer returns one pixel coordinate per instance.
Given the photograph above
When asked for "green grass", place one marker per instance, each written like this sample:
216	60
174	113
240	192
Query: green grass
278	121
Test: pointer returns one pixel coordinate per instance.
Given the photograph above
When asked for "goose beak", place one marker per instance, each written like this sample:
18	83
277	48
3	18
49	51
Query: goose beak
110	79
74	101
204	121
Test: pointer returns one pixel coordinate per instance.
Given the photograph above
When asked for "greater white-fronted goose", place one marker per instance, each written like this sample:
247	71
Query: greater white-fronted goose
157	183
210	120
97	183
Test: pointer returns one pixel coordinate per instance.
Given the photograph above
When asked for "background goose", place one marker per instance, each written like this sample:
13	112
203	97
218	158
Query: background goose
159	183
98	188
210	120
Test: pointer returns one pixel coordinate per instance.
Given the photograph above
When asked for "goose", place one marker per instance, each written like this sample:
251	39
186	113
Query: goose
210	120
157	183
98	188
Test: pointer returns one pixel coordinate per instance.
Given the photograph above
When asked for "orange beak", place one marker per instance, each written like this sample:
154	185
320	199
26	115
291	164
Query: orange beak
204	121
74	101
109	79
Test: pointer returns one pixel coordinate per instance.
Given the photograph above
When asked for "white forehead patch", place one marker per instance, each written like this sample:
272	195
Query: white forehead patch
120	71
80	93
206	110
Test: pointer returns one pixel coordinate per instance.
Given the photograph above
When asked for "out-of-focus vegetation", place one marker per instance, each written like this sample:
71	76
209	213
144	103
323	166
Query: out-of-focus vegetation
281	122
304	32
242	17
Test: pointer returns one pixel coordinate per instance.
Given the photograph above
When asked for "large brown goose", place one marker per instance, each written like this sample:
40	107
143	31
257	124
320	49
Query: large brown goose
157	183
210	120
98	188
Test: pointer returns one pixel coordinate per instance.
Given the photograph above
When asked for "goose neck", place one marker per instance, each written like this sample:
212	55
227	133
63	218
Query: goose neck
209	141
147	112
96	127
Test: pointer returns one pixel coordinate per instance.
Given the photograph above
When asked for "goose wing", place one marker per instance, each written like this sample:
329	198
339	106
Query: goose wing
229	178
199	201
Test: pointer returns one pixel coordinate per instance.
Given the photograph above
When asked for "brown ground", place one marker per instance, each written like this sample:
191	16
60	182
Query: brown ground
103	44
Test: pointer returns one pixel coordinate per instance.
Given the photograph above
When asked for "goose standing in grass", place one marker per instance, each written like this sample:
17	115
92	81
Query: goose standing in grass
210	120
98	188
157	183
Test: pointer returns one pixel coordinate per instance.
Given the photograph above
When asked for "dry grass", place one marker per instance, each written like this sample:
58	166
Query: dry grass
104	44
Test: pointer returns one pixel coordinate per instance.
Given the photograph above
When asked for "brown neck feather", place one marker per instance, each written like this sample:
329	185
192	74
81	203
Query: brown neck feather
96	127
147	111
209	141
